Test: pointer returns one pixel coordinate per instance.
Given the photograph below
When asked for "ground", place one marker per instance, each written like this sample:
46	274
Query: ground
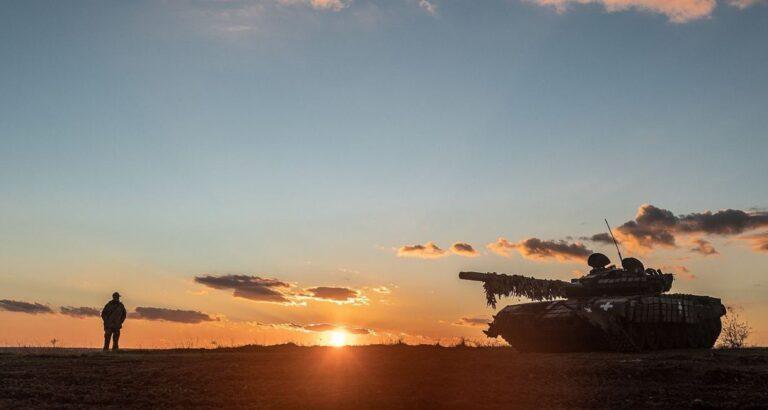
383	376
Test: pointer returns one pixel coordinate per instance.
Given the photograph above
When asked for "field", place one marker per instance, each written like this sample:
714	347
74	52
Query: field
383	376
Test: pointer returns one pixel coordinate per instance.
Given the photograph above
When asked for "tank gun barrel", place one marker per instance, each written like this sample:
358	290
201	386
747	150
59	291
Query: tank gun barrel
498	285
476	276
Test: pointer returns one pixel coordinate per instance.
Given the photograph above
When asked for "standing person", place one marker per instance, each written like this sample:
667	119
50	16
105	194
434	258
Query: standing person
113	315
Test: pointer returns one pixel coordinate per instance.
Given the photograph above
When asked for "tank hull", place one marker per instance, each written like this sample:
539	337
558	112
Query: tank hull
622	323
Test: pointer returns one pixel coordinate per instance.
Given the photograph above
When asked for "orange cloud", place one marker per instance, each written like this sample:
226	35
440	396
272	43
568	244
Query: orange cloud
535	248
602	237
677	11
477	321
651	227
319	328
759	241
339	295
657	227
24	307
382	289
502	247
271	290
80	312
464	249
171	315
428	251
679	270
703	247
250	287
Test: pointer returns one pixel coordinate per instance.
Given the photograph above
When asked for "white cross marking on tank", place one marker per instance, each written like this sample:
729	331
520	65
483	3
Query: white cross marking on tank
588	309
605	306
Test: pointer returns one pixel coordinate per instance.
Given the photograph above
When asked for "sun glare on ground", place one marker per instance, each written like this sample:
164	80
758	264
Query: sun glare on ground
338	338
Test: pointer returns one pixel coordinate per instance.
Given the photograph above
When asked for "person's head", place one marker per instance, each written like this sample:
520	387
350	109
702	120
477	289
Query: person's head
115	296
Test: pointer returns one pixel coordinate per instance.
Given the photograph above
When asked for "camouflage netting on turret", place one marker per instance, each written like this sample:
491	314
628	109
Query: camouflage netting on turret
522	286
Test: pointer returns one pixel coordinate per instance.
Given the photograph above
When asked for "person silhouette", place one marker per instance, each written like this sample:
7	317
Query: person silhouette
113	316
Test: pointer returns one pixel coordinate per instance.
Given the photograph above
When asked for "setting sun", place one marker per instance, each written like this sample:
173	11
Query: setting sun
338	338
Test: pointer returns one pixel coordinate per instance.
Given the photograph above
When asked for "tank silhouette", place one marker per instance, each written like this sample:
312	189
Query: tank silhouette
620	309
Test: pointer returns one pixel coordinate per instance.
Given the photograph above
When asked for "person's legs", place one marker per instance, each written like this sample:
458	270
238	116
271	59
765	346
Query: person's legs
115	339
107	336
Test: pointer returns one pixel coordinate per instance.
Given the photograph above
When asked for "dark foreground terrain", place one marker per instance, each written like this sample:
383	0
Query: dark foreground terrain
384	376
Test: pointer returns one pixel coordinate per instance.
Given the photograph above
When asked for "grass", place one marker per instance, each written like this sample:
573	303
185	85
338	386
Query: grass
396	375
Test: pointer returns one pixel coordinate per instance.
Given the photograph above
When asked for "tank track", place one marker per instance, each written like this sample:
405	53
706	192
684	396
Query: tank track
579	325
633	339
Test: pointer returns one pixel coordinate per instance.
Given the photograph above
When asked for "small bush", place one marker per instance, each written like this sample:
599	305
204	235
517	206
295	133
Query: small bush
735	330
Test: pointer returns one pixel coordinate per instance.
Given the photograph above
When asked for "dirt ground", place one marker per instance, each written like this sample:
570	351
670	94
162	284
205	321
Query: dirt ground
383	376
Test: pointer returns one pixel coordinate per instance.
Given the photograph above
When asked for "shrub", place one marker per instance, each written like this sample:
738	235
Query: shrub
735	330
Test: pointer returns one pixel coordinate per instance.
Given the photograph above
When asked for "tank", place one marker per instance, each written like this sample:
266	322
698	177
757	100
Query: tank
623	309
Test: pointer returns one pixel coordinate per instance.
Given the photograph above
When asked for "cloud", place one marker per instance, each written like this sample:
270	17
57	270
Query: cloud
650	228
703	247
759	241
334	5
677	11
502	247
171	315
239	18
656	227
603	238
464	249
743	4
320	328
725	222
333	293
382	290
535	248
428	251
359	331
473	321
432	251
80	311
429	7
250	287
276	291
331	5
679	270
338	295
538	249
23	307
234	19
327	327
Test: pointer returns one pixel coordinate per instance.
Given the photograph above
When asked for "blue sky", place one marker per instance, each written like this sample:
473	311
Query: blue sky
305	140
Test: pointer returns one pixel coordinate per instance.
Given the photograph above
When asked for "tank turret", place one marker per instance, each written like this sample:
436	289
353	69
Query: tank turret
609	308
602	280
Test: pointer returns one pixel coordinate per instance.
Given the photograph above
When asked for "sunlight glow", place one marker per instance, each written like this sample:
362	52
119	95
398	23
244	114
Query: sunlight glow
338	338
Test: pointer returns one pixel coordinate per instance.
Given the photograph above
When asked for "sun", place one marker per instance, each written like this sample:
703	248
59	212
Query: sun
338	338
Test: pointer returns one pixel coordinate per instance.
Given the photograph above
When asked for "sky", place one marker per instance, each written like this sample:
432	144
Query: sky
262	171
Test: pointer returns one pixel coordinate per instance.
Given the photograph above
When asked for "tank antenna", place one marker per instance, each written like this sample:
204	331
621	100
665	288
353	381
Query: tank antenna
614	240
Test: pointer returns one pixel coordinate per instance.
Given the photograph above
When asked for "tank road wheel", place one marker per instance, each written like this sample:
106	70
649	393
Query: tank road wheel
668	336
681	337
672	337
518	345
637	336
650	337
695	336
